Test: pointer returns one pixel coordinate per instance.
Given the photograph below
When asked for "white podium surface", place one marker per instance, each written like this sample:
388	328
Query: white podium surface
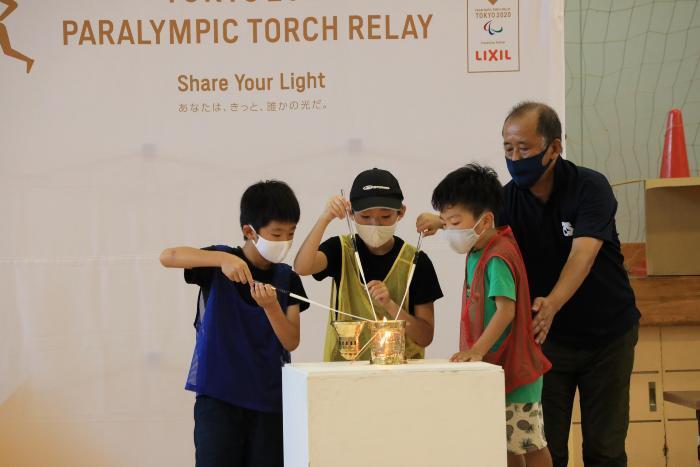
424	413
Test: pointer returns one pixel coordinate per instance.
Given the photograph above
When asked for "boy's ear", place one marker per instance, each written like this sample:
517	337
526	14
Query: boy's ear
402	211
491	218
248	232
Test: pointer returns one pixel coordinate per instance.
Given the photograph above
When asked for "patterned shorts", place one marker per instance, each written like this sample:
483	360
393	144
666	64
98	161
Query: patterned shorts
525	428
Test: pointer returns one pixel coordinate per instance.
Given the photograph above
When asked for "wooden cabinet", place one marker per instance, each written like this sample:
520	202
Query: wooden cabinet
680	348
681	438
645	445
660	433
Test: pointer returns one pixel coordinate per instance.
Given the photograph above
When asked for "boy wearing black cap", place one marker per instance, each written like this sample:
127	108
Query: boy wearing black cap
376	202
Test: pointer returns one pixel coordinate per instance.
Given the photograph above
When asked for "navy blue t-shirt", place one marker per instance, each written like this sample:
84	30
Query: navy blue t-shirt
203	276
238	357
582	204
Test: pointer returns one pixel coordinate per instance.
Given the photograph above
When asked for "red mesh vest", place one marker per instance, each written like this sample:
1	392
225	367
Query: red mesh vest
519	355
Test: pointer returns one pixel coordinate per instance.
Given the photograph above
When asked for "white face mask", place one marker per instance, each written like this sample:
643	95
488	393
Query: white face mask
462	240
273	251
375	235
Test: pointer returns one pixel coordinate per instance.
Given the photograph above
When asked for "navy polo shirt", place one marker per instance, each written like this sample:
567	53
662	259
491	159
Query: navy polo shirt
582	204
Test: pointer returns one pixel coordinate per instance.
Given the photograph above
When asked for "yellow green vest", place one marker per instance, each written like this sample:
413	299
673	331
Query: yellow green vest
350	297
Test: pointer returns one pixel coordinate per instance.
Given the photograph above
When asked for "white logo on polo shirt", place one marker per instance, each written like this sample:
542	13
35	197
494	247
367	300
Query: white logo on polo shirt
568	229
375	187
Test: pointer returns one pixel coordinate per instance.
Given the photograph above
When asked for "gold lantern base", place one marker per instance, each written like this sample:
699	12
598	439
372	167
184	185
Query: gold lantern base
348	337
388	345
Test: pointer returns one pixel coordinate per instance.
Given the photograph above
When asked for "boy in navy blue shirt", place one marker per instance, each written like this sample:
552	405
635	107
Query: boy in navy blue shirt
245	332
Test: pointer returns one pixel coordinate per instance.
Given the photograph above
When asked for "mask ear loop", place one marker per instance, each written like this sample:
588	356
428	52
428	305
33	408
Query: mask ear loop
255	242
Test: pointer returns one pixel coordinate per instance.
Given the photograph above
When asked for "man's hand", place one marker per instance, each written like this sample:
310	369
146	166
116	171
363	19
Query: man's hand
546	308
236	269
264	294
467	356
337	207
428	224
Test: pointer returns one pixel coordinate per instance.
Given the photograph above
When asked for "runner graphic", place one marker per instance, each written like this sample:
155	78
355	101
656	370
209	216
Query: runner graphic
5	37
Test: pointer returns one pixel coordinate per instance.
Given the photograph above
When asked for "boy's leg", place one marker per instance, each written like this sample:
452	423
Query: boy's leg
515	460
219	433
558	391
525	431
266	445
539	458
605	389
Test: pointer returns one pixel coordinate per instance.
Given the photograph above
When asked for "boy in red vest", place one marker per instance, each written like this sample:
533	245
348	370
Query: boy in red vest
496	322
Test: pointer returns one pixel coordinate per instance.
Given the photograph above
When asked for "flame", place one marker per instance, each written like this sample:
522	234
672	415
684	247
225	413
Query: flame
384	338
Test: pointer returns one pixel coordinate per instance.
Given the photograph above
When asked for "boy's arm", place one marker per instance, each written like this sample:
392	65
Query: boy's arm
428	224
419	327
505	313
286	326
187	257
309	260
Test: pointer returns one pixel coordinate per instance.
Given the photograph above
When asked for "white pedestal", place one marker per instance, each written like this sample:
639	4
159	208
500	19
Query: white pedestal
424	413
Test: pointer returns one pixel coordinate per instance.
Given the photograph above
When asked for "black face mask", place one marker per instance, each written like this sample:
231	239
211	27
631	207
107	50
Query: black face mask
527	171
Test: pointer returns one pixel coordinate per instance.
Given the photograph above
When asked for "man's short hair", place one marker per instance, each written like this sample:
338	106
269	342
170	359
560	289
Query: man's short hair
267	201
548	123
473	186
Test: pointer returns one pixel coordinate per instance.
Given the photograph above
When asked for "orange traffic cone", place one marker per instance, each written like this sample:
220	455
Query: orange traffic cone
674	160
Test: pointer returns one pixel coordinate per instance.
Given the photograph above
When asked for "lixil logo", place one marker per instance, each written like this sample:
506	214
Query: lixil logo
5	44
493	55
491	29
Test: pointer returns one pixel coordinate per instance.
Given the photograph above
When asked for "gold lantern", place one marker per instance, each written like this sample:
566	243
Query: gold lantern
388	345
348	337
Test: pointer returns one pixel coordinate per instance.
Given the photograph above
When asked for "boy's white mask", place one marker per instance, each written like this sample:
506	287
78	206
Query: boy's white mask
463	240
375	235
273	251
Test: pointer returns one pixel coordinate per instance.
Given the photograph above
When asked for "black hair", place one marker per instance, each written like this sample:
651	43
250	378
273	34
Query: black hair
548	124
267	201
473	186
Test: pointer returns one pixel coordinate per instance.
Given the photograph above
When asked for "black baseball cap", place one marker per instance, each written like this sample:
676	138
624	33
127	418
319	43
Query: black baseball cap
375	188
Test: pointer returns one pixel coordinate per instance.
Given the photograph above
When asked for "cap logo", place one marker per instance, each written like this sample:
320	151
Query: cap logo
375	187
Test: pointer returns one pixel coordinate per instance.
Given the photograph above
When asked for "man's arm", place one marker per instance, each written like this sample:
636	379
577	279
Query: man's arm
578	265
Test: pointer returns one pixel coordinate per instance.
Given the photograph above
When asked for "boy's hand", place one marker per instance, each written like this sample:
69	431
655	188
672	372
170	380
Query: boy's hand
379	292
467	356
337	207
236	269
428	223
264	294
546	309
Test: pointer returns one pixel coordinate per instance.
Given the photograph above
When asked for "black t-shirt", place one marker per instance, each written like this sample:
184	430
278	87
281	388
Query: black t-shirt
424	288
202	277
582	204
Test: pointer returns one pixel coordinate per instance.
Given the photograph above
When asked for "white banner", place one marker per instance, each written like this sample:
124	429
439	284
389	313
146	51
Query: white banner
139	125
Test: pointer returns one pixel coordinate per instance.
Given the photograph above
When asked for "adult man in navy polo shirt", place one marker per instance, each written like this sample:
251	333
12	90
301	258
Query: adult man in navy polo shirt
563	217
